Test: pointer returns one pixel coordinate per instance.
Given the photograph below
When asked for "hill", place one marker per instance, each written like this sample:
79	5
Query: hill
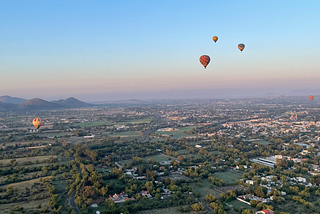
7	106
71	102
37	103
12	100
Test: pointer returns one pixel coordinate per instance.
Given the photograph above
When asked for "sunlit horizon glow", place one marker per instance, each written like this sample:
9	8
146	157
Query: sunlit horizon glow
107	50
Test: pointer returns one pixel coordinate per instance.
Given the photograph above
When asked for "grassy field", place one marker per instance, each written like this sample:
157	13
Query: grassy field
22	143
263	142
108	123
238	204
22	185
157	140
215	152
92	124
6	208
177	134
183	152
131	134
229	176
61	189
57	134
158	158
22	160
170	210
23	176
204	189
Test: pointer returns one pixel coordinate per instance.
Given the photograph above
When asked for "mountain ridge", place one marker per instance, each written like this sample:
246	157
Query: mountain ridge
11	100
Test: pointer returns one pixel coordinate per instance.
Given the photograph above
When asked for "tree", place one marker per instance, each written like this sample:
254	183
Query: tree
210	198
157	196
109	204
197	207
104	190
247	211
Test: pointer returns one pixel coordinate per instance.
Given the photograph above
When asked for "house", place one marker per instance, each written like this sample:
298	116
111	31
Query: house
119	198
300	179
167	191
265	212
165	162
94	205
145	193
250	182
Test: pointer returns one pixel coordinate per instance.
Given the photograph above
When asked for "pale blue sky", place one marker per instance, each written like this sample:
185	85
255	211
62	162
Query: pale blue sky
54	49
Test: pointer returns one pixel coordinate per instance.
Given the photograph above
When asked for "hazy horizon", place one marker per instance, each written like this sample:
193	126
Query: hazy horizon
98	51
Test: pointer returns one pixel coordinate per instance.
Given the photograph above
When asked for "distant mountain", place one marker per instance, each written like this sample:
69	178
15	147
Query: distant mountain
7	106
71	102
12	100
37	103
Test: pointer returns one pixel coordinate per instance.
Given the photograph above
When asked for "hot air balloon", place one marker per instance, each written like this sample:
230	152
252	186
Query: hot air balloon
215	38
37	122
241	47
311	97
204	60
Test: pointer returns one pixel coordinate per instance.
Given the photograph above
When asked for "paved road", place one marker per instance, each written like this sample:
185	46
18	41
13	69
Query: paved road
72	199
150	129
73	203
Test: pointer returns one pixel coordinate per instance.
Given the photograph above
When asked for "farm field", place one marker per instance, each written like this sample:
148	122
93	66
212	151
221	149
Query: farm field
131	134
170	210
263	142
183	152
205	189
158	158
22	143
57	134
6	208
157	140
229	176
108	123
23	184
238	204
215	152
22	176
177	134
23	160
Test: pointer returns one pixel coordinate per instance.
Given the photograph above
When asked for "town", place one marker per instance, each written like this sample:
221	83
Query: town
253	155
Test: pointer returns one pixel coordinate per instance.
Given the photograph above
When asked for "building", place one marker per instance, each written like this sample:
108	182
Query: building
265	212
269	161
300	179
250	182
119	198
145	193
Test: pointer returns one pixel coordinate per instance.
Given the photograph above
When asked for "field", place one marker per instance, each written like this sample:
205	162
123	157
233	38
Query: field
215	152
158	158
131	134
21	143
23	176
23	184
238	204
23	160
177	134
183	152
229	176
204	189
263	142
92	124
6	208
108	123
170	210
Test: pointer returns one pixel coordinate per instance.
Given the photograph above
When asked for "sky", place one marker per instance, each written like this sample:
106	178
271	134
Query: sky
111	50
